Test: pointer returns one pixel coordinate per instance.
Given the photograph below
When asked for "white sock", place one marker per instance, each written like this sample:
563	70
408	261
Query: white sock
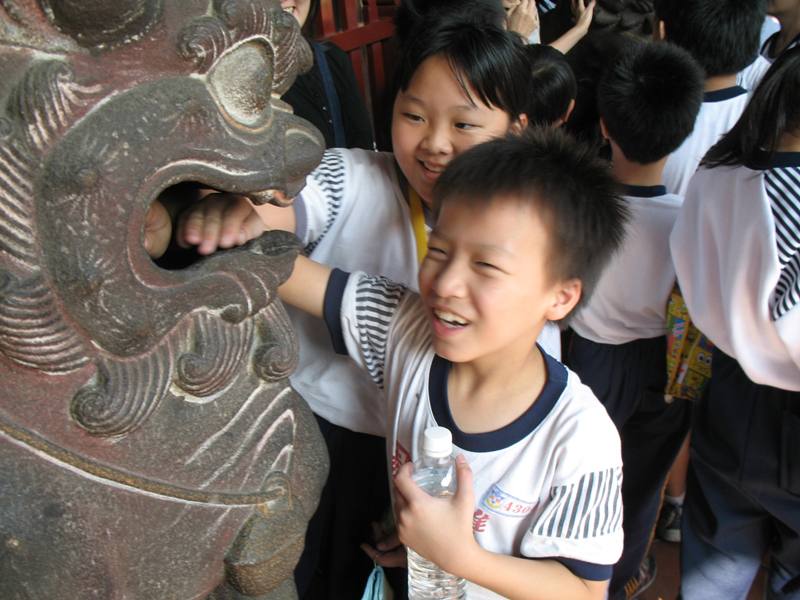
675	500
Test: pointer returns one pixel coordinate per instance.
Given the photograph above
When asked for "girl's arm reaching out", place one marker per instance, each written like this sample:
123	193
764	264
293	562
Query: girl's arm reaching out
306	286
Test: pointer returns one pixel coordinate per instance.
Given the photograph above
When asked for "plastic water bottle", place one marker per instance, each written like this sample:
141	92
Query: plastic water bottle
434	472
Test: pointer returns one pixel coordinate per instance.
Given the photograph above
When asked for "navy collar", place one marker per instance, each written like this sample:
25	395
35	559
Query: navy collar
785	159
643	191
769	45
508	435
724	94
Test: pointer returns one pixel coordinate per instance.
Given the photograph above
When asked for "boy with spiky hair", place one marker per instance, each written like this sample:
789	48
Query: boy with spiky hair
523	227
723	37
648	102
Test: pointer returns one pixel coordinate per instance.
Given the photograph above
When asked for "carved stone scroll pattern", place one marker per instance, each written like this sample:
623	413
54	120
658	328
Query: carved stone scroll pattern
277	357
206	38
125	393
219	350
32	332
44	100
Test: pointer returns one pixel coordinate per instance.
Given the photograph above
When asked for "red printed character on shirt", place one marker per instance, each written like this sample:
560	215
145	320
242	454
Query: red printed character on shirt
400	457
479	520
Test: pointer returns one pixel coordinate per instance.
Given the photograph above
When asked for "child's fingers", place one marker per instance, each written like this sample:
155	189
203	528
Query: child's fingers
465	495
253	226
212	225
157	229
405	485
236	211
190	227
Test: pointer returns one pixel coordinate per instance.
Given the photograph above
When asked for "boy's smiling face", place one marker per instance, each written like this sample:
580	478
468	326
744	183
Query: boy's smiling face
434	120
486	282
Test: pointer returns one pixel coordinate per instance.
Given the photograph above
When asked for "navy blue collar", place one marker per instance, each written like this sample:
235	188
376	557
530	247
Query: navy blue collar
724	94
785	159
643	191
508	435
769	44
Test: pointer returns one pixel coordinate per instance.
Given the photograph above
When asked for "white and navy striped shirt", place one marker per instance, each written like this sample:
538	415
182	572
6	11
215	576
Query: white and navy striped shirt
736	250
547	485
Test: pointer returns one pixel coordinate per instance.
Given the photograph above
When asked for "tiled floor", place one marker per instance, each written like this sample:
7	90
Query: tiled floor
666	584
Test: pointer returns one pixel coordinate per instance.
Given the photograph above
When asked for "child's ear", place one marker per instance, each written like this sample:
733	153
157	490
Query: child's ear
568	114
604	129
519	124
566	297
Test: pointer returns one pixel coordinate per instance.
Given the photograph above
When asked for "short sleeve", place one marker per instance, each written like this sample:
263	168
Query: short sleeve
320	202
581	522
359	311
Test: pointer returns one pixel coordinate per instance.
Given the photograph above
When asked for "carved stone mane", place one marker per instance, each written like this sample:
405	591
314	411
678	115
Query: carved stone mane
150	444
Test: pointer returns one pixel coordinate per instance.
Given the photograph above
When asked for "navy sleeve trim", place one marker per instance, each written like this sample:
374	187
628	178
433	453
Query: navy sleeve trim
586	570
332	309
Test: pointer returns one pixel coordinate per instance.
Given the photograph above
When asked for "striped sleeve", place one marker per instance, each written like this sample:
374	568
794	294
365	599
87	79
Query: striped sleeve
580	524
783	189
590	507
322	199
359	311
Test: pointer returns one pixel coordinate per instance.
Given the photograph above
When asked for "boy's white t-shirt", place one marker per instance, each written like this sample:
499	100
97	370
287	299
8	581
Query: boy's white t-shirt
719	112
353	215
736	250
548	485
630	300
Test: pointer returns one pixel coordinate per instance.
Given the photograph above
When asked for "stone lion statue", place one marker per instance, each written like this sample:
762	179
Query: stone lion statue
150	444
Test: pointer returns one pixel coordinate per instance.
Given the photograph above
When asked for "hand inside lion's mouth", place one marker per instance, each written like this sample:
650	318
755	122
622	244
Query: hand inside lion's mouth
189	219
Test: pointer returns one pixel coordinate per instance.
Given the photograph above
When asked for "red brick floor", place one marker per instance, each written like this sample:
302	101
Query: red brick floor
667	580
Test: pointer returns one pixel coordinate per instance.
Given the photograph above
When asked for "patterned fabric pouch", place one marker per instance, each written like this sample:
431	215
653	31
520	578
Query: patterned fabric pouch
688	352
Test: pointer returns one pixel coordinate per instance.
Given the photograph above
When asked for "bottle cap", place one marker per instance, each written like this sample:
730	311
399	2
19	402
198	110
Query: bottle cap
437	442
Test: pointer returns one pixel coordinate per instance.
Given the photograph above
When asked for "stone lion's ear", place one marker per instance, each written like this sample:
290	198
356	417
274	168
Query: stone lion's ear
94	23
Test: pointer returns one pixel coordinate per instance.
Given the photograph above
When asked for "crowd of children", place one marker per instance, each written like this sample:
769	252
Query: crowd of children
440	280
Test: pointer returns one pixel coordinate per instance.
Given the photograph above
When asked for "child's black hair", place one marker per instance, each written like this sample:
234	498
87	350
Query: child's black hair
552	85
633	17
588	59
486	59
571	188
722	35
649	100
773	110
410	14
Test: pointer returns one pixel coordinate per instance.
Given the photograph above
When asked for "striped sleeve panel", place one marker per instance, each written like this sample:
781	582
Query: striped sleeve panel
588	508
376	302
329	176
783	189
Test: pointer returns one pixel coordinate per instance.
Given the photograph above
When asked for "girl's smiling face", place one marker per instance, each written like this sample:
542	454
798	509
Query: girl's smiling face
435	119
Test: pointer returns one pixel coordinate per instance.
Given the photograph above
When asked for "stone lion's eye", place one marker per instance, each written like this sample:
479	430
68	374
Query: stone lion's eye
242	83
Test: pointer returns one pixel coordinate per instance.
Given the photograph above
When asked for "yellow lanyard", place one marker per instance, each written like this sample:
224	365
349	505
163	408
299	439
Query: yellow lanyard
418	223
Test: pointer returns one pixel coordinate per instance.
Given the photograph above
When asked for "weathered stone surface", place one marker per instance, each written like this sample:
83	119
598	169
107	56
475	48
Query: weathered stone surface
150	444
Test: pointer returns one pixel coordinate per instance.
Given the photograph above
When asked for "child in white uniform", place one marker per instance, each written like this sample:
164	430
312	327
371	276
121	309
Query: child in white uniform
648	102
524	225
736	248
723	36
